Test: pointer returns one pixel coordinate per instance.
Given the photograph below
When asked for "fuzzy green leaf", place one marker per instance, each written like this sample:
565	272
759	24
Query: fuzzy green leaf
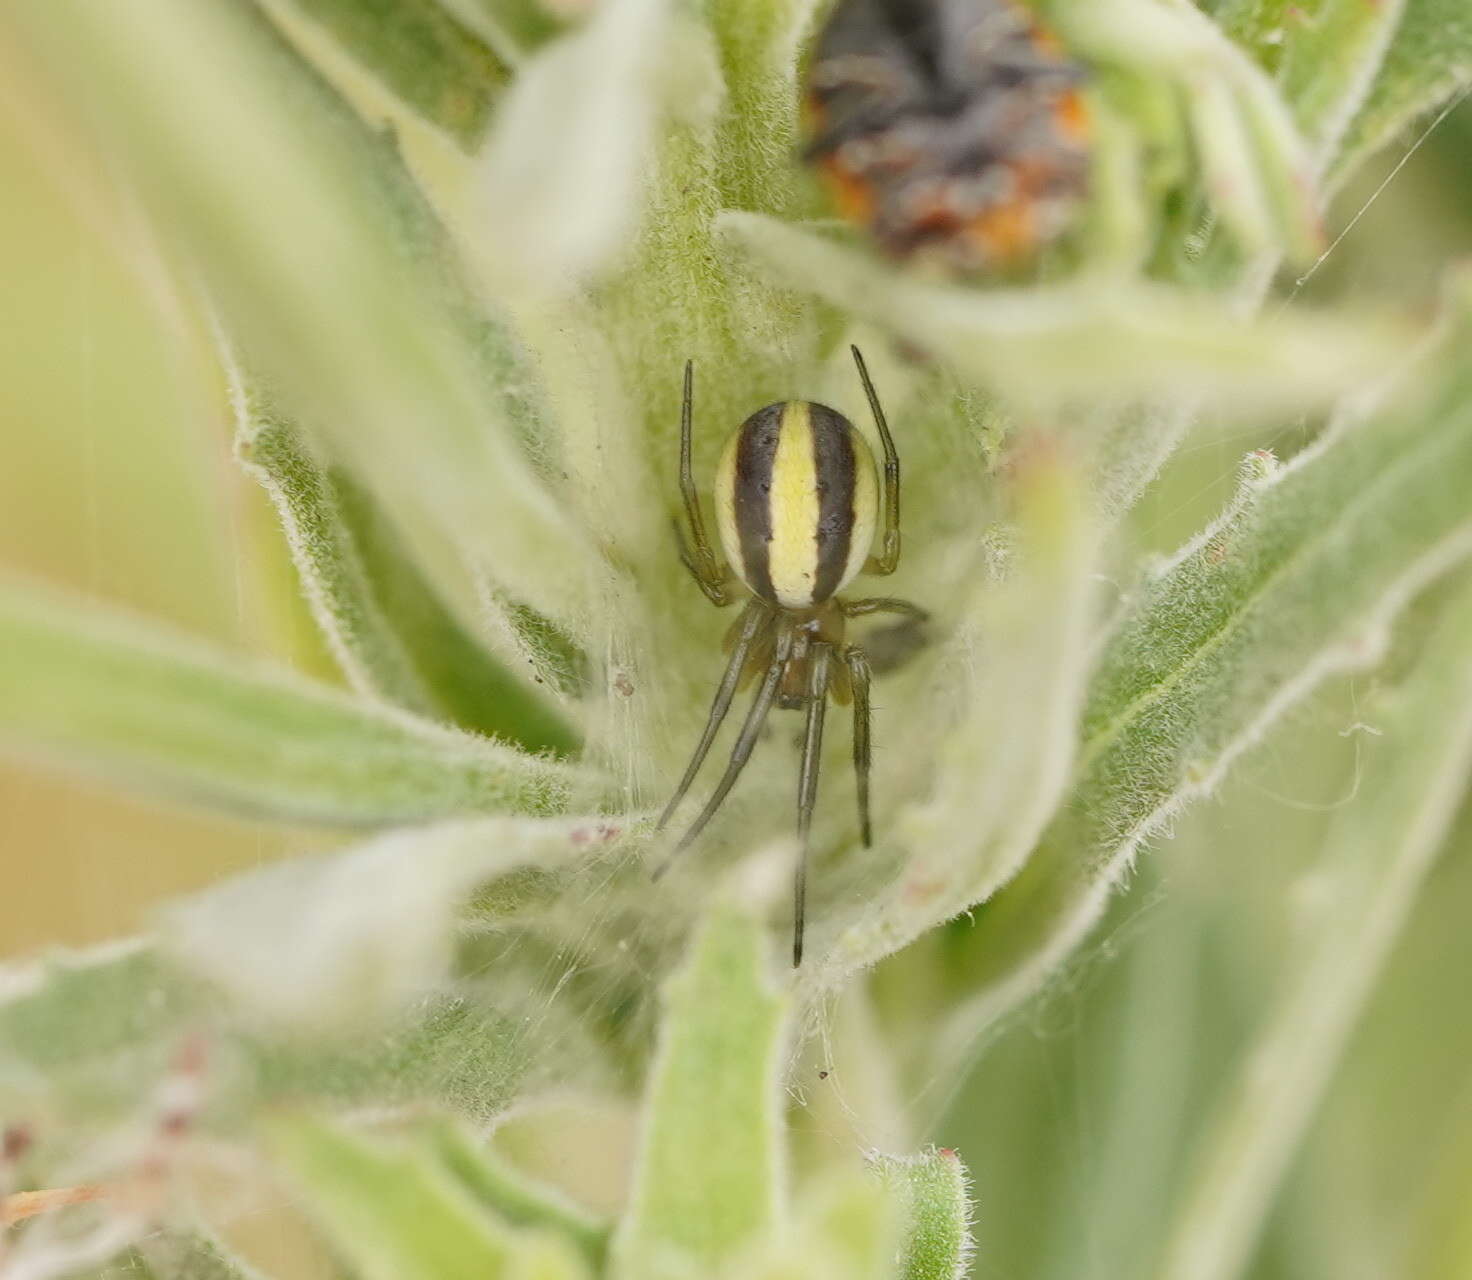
386	627
1050	345
516	1197
85	688
578	120
1023	650
177	1255
547	1257
1332	53
513	28
391	1211
1299	579
322	284
936	1224
1256	167
844	1229
1376	857
709	1180
338	942
1428	64
758	142
1357	74
86	1038
91	1030
418	49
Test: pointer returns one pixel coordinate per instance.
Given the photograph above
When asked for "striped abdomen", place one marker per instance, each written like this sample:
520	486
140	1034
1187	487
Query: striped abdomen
796	501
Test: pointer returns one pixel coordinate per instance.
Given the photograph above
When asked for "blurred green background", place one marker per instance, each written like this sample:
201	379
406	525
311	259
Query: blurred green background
116	481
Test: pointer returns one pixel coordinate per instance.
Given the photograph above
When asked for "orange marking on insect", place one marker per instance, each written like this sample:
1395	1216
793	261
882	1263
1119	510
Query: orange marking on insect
1007	231
853	196
1072	114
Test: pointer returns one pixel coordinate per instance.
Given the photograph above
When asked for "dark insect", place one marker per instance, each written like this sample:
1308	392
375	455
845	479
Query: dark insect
948	128
798	506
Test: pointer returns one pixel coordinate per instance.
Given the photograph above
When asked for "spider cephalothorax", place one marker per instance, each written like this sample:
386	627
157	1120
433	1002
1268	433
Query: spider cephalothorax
798	503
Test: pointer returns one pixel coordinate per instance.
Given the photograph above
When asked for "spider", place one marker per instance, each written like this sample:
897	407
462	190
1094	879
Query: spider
798	504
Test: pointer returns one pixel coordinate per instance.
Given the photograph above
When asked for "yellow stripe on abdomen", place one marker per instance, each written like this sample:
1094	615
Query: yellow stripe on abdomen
792	558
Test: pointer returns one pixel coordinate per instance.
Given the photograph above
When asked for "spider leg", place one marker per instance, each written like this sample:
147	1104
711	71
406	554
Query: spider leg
741	752
858	673
752	621
707	571
889	535
807	787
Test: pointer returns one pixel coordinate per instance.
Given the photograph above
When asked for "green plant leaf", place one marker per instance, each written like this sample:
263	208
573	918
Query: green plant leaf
1299	579
418	49
395	1211
389	1208
1088	339
1331	54
1357	74
936	1223
178	1255
346	317
516	1197
547	1257
1255	165
95	1028
845	1228
345	940
709	1179
86	1038
390	634
85	688
1377	854
1428	64
578	120
987	796
758	46
514	28
1325	56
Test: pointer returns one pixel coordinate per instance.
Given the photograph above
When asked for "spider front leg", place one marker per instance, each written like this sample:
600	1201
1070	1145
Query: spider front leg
709	573
888	558
807	786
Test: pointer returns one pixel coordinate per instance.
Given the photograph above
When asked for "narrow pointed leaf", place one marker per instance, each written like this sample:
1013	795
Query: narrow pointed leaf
991	794
323	284
347	939
562	169
709	1179
389	1209
1299	579
84	688
515	1196
438	67
1376	857
1049	345
385	625
1428	66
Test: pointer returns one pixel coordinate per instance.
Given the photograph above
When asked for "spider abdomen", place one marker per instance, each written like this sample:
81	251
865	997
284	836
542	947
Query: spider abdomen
797	501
